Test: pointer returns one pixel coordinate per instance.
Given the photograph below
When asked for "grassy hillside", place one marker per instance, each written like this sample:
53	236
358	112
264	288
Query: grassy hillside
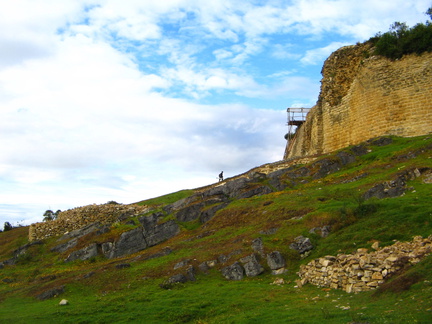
100	292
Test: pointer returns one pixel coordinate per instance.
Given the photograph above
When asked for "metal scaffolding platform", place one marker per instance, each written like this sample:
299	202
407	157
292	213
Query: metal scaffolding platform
296	118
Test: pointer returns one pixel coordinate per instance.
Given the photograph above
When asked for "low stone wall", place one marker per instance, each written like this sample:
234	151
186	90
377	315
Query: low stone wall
76	218
364	271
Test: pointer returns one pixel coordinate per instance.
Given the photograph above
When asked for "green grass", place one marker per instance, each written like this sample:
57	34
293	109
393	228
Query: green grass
167	199
134	295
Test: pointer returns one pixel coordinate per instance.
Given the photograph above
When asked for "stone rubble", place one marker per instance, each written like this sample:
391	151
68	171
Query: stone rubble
79	217
363	270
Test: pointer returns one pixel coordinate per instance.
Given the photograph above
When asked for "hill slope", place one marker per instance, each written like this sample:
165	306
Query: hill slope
340	202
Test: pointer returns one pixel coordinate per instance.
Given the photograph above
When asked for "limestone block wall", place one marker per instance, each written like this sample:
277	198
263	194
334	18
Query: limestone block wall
362	98
364	271
76	218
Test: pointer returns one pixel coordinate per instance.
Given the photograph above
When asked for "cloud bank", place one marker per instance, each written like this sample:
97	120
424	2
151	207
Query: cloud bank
109	100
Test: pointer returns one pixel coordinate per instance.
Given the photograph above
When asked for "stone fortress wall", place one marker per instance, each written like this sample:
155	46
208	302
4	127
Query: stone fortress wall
363	98
79	217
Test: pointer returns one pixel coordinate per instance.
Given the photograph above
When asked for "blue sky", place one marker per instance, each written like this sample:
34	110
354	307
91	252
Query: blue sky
128	100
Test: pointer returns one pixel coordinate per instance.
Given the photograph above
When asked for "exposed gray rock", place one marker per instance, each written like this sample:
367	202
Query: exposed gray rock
301	244
255	191
165	251
258	246
359	150
23	249
190	273
387	189
323	231
81	231
84	254
222	258
129	242
181	264
381	141
325	167
251	266
209	213
233	272
178	278
88	275
107	248
65	246
123	266
51	293
270	231
345	157
149	222
190	212
161	232
275	260
203	267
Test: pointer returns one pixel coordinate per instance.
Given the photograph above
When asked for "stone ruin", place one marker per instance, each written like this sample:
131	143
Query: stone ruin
363	270
79	217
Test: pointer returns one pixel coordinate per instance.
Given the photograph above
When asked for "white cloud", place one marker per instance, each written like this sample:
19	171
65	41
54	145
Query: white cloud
100	100
318	55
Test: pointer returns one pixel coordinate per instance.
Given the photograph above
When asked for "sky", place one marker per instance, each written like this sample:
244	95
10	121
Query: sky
127	100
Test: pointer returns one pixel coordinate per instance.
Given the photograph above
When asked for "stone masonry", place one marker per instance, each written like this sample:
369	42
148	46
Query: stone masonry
365	97
362	270
79	217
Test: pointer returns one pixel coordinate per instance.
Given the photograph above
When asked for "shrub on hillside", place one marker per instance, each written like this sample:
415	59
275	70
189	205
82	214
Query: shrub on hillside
401	40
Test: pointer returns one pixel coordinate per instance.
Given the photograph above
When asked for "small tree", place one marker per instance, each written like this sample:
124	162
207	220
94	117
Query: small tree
7	226
429	12
48	215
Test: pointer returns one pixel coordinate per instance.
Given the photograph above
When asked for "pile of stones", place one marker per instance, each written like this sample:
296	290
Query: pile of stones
364	270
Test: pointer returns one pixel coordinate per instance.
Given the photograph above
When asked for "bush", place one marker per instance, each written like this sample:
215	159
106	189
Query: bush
7	226
402	40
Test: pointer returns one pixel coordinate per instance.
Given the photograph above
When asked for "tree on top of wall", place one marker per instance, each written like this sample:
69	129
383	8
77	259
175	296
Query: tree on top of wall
401	40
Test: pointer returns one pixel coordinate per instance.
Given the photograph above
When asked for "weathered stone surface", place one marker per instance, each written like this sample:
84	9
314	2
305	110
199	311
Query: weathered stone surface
190	213
323	231
81	231
233	272
301	244
258	246
209	213
252	267
181	264
190	273
203	267
65	246
275	260
325	167
161	232
356	97
83	217
255	191
123	266
129	242
165	251
51	293
345	157
363	270
178	278
84	254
